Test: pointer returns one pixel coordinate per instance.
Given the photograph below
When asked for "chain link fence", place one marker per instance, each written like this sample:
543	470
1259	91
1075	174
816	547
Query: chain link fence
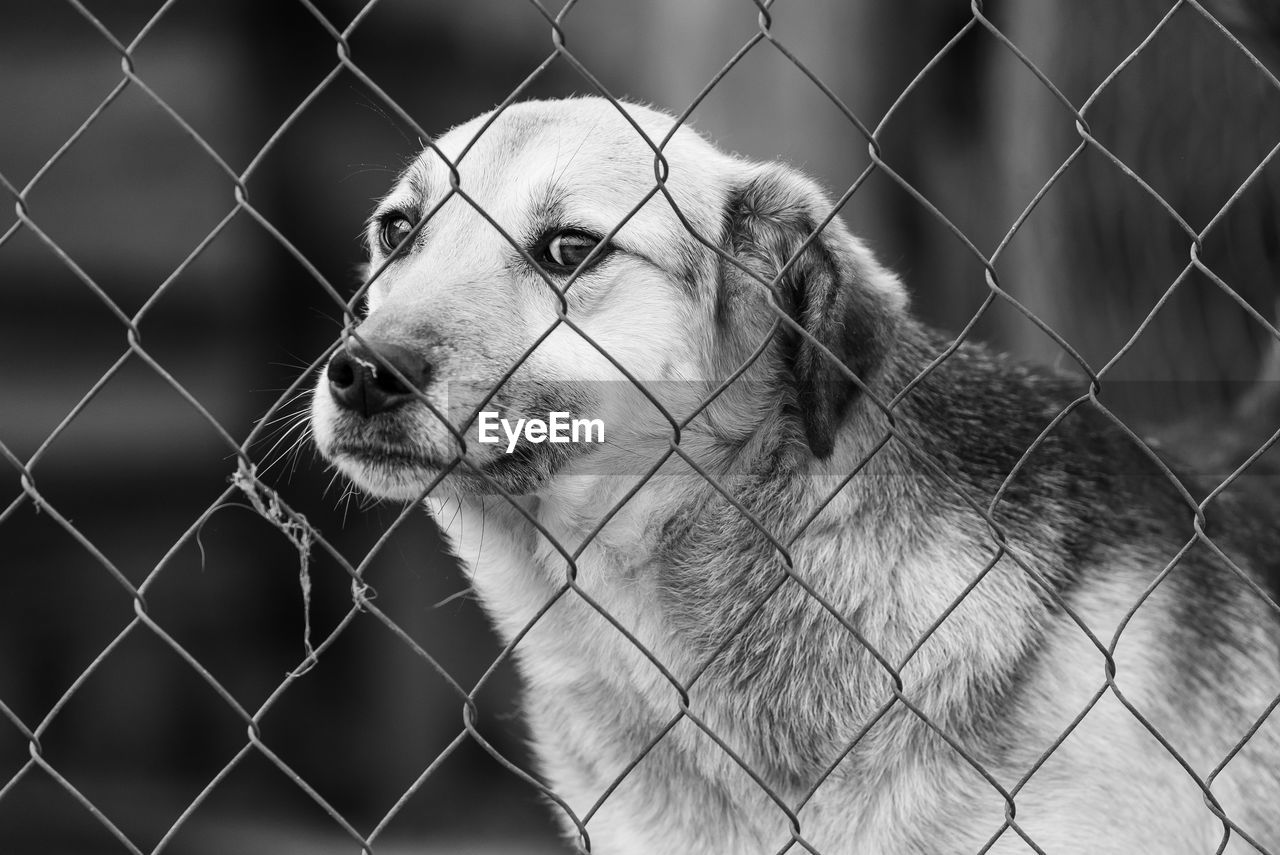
254	661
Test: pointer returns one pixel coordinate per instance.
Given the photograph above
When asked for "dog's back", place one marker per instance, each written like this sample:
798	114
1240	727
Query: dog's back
1132	715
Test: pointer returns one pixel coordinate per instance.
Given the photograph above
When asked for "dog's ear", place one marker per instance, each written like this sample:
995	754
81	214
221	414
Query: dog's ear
834	290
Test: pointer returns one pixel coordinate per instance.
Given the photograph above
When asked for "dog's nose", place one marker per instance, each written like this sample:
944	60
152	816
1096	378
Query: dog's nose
360	380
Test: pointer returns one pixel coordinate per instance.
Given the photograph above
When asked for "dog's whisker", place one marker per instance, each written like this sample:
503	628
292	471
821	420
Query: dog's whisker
294	451
301	423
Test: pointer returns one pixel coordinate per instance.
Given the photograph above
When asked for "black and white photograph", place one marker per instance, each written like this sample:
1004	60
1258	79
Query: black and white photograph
640	427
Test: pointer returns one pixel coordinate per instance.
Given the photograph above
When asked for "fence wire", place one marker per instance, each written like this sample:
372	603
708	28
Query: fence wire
248	452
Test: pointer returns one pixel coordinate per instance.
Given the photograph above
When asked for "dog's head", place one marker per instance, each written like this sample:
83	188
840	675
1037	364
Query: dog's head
554	258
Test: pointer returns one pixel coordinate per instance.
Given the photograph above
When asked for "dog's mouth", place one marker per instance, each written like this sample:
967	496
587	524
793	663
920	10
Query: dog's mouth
384	457
388	470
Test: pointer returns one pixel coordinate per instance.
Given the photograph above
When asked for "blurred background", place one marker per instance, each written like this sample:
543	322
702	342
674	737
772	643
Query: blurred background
127	724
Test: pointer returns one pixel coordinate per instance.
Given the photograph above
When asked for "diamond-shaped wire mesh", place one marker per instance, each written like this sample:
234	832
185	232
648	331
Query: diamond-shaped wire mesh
210	644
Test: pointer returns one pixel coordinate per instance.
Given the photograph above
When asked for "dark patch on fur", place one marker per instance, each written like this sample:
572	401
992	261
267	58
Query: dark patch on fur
977	413
690	262
526	468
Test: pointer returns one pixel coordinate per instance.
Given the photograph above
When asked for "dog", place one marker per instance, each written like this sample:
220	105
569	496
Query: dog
830	583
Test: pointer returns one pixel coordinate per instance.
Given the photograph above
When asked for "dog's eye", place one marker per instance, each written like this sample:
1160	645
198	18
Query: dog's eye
566	251
393	228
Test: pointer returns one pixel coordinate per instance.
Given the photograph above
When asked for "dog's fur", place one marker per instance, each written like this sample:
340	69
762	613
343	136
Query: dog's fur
791	633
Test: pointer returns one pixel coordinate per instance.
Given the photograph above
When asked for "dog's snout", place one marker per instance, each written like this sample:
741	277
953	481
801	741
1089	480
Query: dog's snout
361	379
